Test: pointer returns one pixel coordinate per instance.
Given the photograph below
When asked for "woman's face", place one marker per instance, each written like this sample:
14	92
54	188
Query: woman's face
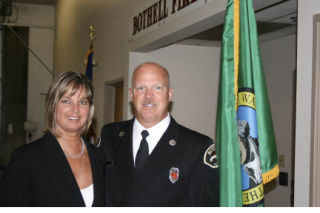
72	112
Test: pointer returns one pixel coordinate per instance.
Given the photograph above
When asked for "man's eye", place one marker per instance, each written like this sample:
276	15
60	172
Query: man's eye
140	88
158	88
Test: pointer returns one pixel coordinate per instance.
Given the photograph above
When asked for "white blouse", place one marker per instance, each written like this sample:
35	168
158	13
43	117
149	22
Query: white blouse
87	194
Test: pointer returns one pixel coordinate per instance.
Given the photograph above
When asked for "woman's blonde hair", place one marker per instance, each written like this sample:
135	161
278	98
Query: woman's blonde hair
66	82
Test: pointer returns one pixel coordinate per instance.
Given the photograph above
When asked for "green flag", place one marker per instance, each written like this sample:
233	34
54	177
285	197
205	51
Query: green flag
246	148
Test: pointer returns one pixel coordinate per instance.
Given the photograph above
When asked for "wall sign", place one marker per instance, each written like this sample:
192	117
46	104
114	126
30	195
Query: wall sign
158	13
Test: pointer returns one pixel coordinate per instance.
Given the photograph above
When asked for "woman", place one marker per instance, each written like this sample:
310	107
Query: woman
59	169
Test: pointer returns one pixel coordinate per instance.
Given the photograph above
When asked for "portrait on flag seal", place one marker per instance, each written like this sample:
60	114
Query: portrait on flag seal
249	148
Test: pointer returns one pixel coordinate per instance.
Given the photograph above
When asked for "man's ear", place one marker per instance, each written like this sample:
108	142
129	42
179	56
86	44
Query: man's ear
170	93
130	93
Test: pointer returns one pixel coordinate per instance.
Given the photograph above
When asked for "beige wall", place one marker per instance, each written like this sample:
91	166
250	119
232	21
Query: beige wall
194	74
306	12
33	15
279	62
41	22
111	22
39	78
112	50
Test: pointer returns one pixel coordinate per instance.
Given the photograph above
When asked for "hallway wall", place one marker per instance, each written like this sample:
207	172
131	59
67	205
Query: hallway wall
112	47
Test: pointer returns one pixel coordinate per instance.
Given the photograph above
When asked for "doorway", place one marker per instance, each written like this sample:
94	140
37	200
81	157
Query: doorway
113	102
315	136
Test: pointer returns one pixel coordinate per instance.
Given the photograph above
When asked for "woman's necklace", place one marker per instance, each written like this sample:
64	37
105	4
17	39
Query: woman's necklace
78	155
80	169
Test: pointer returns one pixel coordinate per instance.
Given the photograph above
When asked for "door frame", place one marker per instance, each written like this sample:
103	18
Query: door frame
315	117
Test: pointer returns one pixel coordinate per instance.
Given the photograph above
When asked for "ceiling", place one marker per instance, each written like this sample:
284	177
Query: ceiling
275	11
46	2
271	16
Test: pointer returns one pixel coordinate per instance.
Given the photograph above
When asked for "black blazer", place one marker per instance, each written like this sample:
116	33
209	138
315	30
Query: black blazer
39	174
185	159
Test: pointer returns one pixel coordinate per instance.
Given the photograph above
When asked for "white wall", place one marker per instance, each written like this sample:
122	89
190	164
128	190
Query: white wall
111	20
39	78
34	15
111	23
279	60
194	74
41	22
306	11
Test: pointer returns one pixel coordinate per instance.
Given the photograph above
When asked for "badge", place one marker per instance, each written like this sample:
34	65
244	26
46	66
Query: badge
121	134
210	157
174	174
172	142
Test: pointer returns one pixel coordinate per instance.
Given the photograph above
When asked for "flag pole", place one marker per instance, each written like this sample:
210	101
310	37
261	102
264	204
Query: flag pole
89	59
92	36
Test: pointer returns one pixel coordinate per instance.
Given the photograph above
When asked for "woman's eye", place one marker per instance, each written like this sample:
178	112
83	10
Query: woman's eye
83	102
65	101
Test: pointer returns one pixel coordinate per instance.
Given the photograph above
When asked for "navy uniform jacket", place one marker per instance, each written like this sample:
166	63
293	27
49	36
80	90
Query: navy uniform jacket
188	160
39	174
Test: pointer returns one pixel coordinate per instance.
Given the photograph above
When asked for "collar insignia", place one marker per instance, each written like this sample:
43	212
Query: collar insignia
121	134
174	174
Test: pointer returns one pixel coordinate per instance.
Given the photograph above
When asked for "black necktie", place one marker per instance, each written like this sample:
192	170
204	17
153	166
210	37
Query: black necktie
143	152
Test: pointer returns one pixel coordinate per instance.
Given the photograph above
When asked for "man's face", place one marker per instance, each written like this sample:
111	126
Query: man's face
150	94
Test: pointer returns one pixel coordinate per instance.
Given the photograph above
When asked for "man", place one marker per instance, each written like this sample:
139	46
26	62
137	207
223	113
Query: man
166	165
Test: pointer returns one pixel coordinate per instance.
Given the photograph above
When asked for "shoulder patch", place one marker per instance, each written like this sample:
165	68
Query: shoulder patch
210	157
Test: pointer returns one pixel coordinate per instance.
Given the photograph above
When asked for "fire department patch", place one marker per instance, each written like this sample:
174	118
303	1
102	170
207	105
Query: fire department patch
210	157
174	174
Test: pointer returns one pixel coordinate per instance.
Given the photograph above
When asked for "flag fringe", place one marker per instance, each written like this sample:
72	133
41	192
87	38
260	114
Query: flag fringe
270	175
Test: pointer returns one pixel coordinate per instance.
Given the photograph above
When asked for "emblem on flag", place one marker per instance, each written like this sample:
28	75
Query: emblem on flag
247	160
249	149
174	174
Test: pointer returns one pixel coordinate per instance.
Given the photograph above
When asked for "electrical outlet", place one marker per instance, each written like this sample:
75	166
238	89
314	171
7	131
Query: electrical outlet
281	161
283	179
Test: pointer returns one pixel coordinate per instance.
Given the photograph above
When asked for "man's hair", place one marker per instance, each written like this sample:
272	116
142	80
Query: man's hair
67	82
